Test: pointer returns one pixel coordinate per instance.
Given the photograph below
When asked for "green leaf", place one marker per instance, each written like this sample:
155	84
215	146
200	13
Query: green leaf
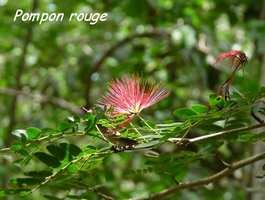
199	108
249	137
49	131
72	168
74	150
263	167
70	149
57	151
92	163
6	192
43	173
2	193
146	145
63	126
16	147
210	127
185	113
49	160
181	172
33	133
148	123
209	146
89	150
216	101
90	121
105	123
24	193
28	181
23	152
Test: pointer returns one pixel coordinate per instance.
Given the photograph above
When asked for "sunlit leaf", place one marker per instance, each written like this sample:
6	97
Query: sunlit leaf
33	133
16	147
184	113
63	126
72	168
199	108
20	133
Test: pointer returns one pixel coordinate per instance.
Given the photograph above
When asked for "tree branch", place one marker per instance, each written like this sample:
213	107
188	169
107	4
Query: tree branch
94	189
222	133
97	65
53	137
179	141
102	151
215	135
59	102
204	181
201	182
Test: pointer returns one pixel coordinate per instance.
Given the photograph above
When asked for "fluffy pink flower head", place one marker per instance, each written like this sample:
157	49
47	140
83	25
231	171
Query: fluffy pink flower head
238	58
130	95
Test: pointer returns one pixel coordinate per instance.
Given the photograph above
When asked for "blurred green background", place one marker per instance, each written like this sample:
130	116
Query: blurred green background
49	71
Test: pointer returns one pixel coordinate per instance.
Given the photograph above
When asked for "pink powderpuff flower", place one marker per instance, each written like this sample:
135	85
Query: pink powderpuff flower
238	58
130	95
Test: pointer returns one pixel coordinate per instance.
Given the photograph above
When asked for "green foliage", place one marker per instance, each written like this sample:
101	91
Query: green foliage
49	160
64	159
33	133
199	108
185	113
49	71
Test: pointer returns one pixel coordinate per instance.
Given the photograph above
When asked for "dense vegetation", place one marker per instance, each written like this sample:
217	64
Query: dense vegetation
198	135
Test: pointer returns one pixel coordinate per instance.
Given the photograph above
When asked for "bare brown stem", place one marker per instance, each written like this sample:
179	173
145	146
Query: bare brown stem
210	179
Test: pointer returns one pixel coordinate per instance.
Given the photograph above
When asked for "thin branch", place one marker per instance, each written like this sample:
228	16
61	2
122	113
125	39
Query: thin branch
55	174
221	133
98	64
94	189
171	190
4	150
218	134
102	195
179	141
121	43
59	102
204	181
51	138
